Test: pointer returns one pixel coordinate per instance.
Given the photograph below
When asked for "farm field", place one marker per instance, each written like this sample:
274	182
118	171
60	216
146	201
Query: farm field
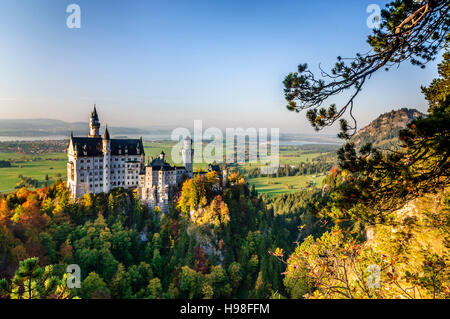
286	184
35	166
294	157
290	155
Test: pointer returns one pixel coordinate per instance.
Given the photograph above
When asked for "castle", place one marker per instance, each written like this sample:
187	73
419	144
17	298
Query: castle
98	164
159	180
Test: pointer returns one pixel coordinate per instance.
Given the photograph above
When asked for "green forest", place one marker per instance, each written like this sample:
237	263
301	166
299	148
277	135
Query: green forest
126	251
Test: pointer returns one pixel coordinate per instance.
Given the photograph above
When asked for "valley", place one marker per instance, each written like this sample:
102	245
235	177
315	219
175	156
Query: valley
39	161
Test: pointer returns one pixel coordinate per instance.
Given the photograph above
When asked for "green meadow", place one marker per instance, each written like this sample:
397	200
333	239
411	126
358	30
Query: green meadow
35	166
286	184
295	157
290	155
152	149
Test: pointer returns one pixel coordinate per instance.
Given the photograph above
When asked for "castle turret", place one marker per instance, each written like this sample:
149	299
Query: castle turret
72	167
94	124
188	155
224	177
106	161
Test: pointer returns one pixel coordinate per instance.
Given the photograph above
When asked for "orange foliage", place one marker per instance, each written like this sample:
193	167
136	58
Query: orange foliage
236	178
333	171
32	218
4	210
212	177
220	209
22	194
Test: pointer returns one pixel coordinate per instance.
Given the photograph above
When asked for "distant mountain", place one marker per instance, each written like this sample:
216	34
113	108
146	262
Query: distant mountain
386	127
49	127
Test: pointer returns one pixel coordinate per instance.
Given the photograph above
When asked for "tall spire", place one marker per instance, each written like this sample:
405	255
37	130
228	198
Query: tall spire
94	124
94	114
106	136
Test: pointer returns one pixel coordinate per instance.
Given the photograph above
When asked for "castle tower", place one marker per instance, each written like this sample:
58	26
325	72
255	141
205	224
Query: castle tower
72	167
224	177
106	161
94	124
188	155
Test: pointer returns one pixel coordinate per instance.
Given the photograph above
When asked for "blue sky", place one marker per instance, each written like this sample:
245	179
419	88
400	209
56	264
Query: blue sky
149	63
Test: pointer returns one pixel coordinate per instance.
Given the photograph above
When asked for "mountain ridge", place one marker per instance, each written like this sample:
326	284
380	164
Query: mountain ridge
49	127
386	127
